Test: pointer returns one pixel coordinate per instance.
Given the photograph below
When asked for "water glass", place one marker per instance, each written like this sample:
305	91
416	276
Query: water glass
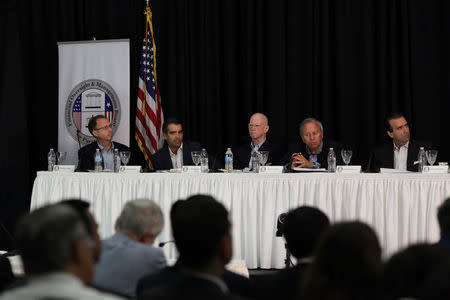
61	157
125	157
431	156
346	156
196	157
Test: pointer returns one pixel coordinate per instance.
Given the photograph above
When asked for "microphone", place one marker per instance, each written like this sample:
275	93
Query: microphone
78	138
162	244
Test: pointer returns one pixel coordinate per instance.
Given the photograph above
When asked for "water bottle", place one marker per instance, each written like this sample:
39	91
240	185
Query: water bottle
98	159
331	161
255	162
51	159
204	161
116	160
421	159
229	160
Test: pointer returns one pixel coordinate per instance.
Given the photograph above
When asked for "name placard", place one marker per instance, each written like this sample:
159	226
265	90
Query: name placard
271	169
64	168
435	169
348	169
192	169
130	169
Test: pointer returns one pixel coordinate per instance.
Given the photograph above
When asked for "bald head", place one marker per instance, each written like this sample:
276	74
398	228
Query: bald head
258	127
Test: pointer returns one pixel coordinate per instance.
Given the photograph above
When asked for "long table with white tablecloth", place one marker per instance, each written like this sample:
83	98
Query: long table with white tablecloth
400	207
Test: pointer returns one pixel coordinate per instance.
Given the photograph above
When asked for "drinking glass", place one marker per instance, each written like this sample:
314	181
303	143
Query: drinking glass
125	157
431	156
61	157
196	156
346	156
263	156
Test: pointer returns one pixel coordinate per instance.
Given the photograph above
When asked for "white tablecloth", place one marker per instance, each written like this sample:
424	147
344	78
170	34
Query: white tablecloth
400	207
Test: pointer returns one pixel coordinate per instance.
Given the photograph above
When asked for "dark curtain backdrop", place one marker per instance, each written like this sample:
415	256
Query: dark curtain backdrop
346	62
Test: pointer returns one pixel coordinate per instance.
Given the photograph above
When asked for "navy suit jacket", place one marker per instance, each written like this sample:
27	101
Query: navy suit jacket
87	153
161	159
237	284
383	156
299	146
241	155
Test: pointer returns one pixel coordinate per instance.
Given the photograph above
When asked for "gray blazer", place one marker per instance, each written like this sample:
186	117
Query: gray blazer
123	262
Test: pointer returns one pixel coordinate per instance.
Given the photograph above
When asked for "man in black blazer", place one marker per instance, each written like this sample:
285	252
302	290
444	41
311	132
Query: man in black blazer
175	153
302	230
201	230
258	126
401	153
312	151
100	127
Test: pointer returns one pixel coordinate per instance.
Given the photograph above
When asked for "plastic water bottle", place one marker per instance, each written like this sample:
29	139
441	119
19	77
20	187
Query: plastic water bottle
255	162
421	159
98	159
229	160
204	161
51	159
116	160
331	161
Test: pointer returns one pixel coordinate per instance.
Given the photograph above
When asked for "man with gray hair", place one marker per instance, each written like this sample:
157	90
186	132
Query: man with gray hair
311	152
129	254
57	254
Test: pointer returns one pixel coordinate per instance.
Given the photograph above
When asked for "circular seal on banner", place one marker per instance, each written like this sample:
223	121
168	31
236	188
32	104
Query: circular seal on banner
86	100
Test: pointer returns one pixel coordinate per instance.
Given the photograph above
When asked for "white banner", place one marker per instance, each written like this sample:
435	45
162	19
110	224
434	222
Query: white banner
94	79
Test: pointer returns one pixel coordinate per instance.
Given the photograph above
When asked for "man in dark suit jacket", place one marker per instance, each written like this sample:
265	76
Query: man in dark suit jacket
444	225
312	151
258	126
401	153
100	127
302	230
201	230
175	153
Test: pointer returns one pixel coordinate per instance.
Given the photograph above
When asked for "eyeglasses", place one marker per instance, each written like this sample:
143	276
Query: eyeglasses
104	127
254	125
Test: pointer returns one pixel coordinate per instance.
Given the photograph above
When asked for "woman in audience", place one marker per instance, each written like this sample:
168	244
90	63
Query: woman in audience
347	265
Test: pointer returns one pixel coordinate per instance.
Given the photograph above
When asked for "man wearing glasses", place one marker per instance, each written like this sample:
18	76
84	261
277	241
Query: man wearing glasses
401	152
258	126
100	127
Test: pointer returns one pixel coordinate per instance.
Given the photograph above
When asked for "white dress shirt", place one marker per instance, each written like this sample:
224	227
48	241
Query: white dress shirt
401	156
177	159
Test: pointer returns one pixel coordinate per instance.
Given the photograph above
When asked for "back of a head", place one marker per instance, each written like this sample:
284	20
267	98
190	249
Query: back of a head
139	217
45	237
347	264
198	225
407	271
444	217
303	227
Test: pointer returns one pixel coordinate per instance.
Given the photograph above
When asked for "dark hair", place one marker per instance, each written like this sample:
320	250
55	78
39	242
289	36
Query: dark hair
170	121
303	227
93	123
406	271
45	238
392	116
198	225
347	264
443	216
81	207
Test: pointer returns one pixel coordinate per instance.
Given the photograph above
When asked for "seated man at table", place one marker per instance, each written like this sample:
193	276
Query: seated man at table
202	233
444	225
129	254
258	126
175	153
311	152
100	127
399	153
57	256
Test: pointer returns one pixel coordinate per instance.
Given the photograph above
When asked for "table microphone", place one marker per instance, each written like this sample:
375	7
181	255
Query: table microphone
162	244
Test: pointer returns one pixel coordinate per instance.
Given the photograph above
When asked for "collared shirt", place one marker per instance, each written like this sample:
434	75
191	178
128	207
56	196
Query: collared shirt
177	159
254	149
216	280
401	156
108	157
313	157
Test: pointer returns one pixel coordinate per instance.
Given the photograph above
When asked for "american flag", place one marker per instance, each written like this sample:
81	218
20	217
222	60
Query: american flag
109	113
76	112
149	115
